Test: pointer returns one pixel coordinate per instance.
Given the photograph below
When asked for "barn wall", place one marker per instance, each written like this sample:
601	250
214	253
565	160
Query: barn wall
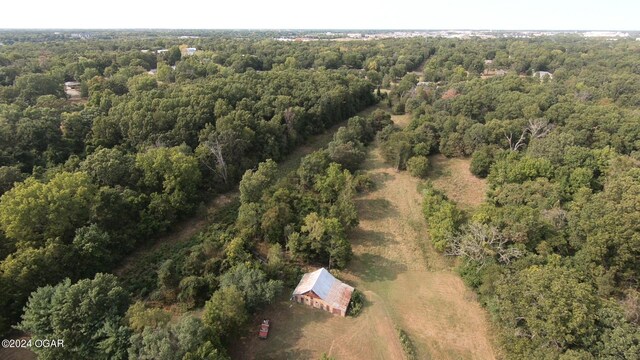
314	301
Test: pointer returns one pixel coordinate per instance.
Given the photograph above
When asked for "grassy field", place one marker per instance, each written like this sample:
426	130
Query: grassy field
454	178
407	284
300	332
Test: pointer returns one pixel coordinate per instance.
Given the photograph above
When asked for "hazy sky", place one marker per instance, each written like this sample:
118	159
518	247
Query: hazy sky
327	14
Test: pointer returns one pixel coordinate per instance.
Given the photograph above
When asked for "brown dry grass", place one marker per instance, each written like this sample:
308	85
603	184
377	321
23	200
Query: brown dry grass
301	332
394	258
449	94
454	178
402	120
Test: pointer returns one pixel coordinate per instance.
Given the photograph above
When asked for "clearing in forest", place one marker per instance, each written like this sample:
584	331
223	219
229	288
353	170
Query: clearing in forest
452	176
406	284
394	258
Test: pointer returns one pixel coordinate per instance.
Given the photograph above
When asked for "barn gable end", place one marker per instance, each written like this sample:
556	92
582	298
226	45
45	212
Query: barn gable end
321	290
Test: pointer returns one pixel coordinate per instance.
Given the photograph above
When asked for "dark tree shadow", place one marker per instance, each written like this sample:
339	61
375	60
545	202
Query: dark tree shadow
375	209
360	236
380	178
371	267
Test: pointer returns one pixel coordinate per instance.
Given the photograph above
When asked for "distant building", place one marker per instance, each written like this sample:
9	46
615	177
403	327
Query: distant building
609	34
72	89
323	291
162	51
72	85
190	51
543	74
487	73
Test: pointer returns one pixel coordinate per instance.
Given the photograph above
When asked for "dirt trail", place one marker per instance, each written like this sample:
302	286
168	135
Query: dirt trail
419	71
180	233
395	260
186	229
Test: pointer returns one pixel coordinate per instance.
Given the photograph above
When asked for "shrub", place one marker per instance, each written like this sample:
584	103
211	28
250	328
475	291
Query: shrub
193	290
395	147
418	166
469	271
398	108
443	224
363	182
407	345
442	215
356	304
350	154
481	161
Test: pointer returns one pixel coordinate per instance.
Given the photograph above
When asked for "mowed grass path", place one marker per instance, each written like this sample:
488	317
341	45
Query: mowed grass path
394	259
406	283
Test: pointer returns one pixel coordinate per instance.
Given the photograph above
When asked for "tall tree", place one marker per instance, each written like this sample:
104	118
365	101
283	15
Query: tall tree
225	312
33	211
75	313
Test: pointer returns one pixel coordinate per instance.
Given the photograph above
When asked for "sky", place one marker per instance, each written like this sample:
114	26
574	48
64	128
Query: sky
326	14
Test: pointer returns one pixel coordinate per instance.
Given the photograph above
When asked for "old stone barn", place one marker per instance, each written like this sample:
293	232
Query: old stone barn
323	291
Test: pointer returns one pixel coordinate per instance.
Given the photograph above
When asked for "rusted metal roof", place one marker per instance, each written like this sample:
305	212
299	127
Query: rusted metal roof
331	290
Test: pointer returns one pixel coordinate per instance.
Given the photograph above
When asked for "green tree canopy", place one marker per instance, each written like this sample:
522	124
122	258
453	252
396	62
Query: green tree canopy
74	313
225	312
33	211
252	283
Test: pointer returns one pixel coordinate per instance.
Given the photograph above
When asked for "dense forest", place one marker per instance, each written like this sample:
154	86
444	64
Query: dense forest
86	182
552	124
554	250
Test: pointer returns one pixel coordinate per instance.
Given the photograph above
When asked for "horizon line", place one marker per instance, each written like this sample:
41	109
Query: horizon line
313	29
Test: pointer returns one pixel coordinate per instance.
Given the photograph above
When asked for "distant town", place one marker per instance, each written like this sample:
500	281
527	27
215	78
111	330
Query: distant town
454	34
300	35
